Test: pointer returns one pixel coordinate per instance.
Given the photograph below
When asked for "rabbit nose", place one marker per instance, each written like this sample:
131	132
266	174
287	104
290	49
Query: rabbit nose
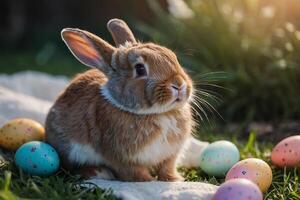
179	91
178	82
176	87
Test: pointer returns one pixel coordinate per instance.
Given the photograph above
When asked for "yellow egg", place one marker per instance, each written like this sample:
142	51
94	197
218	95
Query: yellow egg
256	170
19	131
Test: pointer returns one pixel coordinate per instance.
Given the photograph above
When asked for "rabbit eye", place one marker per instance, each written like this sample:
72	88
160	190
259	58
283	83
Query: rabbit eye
140	70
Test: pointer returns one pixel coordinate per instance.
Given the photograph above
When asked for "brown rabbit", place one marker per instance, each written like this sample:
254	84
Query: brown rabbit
129	116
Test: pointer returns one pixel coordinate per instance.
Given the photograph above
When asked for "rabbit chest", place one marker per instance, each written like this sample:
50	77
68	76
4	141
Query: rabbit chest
167	143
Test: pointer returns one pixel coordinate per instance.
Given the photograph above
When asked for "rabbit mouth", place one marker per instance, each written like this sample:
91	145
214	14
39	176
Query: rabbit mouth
177	100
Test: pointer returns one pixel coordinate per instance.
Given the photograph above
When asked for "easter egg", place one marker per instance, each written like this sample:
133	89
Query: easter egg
37	158
19	131
256	170
238	189
218	157
287	152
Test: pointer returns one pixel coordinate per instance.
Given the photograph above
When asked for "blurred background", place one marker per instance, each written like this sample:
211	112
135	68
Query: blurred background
243	54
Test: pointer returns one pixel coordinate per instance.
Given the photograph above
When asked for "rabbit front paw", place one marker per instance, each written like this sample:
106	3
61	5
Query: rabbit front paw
170	177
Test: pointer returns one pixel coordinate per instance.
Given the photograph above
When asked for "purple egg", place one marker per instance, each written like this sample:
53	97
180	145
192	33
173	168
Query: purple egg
238	189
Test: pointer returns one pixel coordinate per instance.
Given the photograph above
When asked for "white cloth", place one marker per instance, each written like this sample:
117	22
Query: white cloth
157	190
28	94
31	94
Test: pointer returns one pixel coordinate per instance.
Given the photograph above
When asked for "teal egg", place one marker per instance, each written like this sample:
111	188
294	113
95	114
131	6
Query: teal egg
218	157
37	158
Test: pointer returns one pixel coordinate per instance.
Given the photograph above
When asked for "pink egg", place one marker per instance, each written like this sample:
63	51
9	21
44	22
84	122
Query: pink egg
253	169
287	152
238	189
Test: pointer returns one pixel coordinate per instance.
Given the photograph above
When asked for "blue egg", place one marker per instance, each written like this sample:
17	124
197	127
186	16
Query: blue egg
37	158
218	157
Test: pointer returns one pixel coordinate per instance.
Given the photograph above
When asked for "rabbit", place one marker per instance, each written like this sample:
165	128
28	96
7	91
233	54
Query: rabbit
129	116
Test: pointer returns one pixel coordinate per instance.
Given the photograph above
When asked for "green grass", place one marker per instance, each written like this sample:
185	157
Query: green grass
62	185
15	184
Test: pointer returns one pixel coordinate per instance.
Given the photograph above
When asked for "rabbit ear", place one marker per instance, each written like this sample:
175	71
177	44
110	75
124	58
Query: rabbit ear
120	32
89	49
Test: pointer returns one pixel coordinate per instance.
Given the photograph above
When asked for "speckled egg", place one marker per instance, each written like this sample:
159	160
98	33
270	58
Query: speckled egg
19	131
37	158
287	152
238	189
218	157
256	170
